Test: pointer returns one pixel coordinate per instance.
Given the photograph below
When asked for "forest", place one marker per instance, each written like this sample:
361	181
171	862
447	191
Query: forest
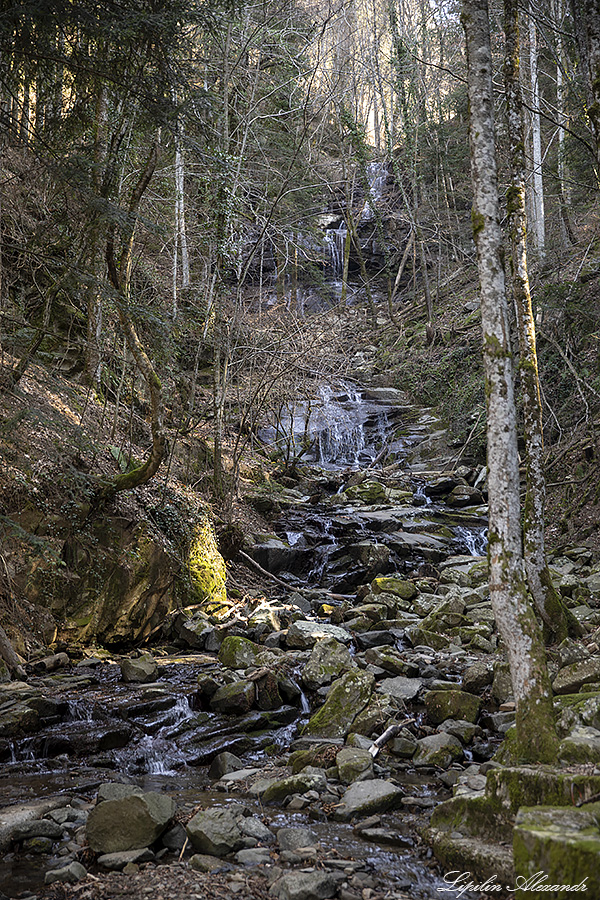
299	411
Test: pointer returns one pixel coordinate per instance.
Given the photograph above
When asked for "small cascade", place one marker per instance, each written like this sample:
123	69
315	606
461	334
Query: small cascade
377	174
335	238
473	540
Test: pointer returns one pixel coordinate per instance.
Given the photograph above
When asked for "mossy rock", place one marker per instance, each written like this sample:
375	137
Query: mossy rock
442	705
421	637
393	584
328	659
346	699
206	567
581	747
235	699
370	491
557	846
238	652
514	786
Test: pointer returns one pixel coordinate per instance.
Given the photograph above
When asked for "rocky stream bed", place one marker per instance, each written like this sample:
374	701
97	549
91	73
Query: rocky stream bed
336	738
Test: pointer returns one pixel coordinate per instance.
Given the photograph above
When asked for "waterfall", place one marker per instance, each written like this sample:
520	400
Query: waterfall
377	174
335	239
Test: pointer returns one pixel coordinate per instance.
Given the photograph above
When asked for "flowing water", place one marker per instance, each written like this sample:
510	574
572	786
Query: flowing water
100	729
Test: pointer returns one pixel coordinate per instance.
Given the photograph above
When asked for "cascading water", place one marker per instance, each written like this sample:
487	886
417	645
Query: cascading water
335	238
474	540
377	174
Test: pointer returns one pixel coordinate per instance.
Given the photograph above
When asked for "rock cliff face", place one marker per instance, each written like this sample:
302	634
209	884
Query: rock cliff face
119	583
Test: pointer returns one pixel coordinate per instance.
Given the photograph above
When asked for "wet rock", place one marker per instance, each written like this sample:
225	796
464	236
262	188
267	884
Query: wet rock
328	659
238	652
38	828
303	634
570	679
442	705
130	823
346	699
304	886
18	816
369	491
139	671
234	699
464	495
353	764
363	798
404	746
267	691
223	763
116	862
275	554
438	750
400	688
174	838
70	874
215	832
295	784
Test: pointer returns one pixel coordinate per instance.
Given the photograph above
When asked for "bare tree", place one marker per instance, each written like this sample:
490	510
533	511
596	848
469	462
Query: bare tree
517	623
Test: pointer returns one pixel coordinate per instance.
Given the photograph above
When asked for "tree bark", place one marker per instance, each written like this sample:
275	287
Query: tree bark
517	624
586	19
537	182
545	597
120	277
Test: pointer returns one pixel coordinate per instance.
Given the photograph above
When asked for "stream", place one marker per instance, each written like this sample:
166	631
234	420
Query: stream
375	503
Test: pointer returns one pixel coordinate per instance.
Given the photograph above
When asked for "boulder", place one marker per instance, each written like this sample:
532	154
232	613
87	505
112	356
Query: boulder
224	763
364	798
303	634
394	584
295	784
328	659
141	670
558	845
70	874
296	837
267	691
235	699
582	746
304	886
400	688
354	764
192	630
369	491
116	862
130	823
442	705
478	676
438	750
570	679
348	696
216	832
238	652
203	862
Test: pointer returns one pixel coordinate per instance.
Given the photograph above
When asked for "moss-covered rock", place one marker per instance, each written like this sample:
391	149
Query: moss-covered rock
581	747
514	786
442	705
438	750
344	702
207	568
419	636
394	584
369	491
294	784
557	846
238	652
353	763
236	698
329	658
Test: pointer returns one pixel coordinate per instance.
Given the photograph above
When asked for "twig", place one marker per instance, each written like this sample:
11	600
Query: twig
387	736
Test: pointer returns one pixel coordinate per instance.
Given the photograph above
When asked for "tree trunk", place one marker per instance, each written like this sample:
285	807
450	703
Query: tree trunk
537	183
545	597
120	277
517	624
12	659
586	19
